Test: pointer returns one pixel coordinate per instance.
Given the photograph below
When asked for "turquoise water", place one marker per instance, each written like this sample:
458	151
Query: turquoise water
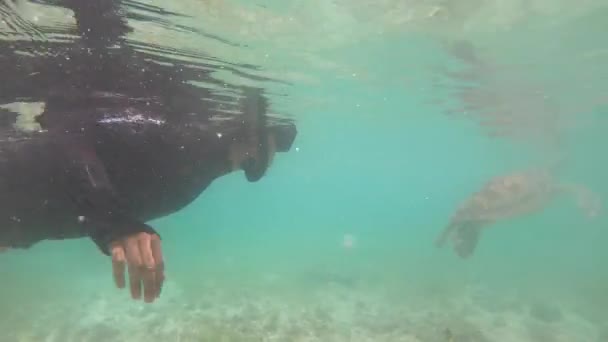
376	158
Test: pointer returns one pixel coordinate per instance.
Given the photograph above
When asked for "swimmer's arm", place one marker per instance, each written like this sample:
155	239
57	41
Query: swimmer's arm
104	217
130	243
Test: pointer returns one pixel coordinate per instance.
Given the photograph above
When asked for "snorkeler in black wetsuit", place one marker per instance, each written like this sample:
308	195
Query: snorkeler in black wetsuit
122	141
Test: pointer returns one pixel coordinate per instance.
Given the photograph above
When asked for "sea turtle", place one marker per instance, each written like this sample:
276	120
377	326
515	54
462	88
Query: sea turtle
505	197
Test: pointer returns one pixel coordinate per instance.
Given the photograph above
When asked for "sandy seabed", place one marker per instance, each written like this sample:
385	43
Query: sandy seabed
328	312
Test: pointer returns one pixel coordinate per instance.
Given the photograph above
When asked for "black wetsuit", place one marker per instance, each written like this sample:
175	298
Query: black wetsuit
124	140
106	178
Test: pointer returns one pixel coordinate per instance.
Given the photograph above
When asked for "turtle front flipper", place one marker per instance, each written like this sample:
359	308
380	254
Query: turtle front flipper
463	235
445	234
465	238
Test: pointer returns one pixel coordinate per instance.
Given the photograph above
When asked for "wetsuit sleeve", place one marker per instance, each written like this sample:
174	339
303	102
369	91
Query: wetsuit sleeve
105	232
105	219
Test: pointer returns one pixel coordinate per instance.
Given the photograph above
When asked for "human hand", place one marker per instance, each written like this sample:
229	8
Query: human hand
142	254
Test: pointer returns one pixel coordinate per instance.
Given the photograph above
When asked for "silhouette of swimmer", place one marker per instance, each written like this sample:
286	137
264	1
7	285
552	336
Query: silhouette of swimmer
122	141
124	170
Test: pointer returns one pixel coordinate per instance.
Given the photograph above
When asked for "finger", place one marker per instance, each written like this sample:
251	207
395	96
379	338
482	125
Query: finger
145	249
135	263
148	270
157	252
148	277
118	265
160	263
